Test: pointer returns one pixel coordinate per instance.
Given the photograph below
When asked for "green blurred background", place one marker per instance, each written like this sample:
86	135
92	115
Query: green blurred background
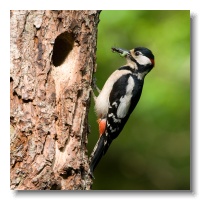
153	150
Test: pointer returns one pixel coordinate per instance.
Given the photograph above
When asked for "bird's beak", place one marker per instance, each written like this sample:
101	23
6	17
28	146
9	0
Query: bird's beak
122	52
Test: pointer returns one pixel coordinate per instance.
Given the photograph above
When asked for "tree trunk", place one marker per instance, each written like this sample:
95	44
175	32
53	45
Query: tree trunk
52	64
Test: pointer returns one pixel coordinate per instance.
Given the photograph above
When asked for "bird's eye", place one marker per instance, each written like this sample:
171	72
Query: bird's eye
137	53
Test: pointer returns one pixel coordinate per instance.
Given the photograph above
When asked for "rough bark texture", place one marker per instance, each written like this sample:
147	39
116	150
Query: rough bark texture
52	64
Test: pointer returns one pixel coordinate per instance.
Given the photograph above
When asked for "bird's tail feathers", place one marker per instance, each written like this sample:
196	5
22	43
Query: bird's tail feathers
98	151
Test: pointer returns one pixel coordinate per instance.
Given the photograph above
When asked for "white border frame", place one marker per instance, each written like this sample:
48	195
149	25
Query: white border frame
191	5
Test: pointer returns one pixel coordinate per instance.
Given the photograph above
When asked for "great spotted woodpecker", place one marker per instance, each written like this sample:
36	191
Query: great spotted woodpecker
119	97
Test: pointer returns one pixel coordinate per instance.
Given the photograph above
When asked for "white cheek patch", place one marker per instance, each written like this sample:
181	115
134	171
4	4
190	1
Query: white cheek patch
125	101
143	60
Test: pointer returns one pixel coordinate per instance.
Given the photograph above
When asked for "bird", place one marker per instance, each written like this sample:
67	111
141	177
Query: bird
119	97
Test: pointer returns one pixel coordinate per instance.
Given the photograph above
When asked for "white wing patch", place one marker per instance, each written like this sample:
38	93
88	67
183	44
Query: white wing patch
125	100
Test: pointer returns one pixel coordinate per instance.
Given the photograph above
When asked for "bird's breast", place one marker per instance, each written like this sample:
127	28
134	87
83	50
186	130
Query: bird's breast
102	101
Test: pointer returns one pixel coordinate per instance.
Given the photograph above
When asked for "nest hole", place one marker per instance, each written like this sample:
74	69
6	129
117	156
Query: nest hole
63	45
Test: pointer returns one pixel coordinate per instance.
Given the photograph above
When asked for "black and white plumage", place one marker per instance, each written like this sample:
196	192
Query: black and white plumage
119	97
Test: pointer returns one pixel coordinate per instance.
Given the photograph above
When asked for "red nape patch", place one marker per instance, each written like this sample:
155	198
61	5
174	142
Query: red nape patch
102	126
152	61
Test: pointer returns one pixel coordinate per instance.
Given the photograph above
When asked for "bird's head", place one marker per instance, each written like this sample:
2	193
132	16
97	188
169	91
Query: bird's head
140	58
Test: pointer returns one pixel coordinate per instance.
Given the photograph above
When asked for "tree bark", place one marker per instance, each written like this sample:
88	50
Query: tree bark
52	65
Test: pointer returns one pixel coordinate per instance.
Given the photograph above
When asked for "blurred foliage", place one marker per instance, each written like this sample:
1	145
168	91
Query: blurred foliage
153	150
